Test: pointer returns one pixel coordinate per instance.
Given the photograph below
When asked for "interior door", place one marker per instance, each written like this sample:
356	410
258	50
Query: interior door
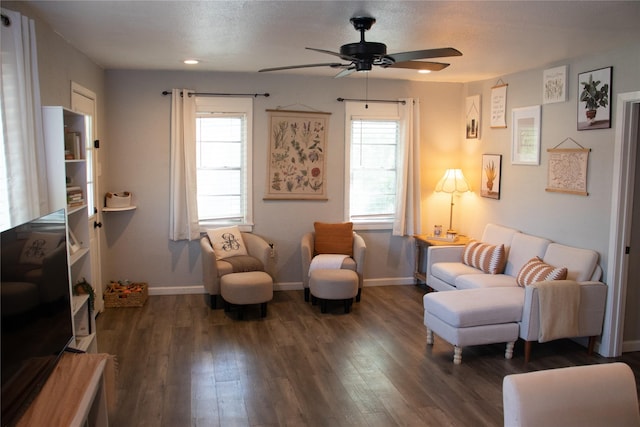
84	101
631	331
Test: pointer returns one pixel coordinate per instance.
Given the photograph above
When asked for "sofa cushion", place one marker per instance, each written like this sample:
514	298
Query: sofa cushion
496	234
580	263
475	281
537	271
483	256
449	271
523	248
333	238
227	242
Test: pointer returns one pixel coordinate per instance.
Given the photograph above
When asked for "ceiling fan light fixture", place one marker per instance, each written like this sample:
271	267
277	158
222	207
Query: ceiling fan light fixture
191	61
424	71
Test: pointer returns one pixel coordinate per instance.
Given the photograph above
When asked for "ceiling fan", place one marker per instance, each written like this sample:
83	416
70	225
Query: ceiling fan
363	55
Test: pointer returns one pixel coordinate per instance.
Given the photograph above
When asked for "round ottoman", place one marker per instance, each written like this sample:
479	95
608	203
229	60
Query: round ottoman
337	284
253	287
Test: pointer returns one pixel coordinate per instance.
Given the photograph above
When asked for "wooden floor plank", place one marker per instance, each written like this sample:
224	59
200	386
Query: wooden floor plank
181	364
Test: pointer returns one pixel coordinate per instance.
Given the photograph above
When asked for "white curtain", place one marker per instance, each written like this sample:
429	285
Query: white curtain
407	219
23	185
183	218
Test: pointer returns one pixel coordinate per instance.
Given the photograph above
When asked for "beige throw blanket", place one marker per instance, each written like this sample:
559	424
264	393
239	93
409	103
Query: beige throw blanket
559	307
326	262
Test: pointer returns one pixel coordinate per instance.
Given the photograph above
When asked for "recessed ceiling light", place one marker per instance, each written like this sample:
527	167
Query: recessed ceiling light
424	71
191	61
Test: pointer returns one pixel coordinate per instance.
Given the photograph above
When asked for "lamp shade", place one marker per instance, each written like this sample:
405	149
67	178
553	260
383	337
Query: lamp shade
453	181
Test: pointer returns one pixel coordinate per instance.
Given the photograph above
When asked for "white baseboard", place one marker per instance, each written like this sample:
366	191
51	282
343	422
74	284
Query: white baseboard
176	290
278	286
628	346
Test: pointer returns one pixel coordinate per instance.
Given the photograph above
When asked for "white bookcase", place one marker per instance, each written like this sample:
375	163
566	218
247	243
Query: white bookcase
65	135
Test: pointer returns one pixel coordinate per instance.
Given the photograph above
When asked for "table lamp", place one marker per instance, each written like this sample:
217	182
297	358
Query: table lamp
452	182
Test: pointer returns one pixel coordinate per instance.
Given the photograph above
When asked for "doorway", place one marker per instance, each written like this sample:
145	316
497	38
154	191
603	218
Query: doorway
620	235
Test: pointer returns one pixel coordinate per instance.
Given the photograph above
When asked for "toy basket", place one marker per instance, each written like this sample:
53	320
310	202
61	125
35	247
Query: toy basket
126	295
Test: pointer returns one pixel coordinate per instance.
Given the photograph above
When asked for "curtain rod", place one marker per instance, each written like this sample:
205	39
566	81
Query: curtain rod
394	101
255	95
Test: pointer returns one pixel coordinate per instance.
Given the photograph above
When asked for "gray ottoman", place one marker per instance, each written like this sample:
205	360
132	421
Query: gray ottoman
336	284
474	317
253	287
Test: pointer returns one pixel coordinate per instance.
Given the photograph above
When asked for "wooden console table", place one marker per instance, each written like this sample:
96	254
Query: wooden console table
423	241
75	393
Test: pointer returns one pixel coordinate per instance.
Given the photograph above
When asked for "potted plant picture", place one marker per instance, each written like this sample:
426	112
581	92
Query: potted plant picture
594	94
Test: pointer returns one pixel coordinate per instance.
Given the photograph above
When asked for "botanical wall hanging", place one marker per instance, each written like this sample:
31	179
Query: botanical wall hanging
567	171
594	94
297	154
491	174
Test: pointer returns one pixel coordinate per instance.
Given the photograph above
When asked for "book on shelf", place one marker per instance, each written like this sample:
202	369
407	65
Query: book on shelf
72	146
75	196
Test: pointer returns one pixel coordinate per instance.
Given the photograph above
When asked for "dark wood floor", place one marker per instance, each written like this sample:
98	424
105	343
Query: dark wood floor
183	364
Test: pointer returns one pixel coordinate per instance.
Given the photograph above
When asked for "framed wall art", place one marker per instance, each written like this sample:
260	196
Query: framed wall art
473	117
491	174
297	153
594	96
554	85
525	137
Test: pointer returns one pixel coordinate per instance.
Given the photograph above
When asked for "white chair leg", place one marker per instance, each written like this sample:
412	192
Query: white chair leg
429	336
508	354
457	355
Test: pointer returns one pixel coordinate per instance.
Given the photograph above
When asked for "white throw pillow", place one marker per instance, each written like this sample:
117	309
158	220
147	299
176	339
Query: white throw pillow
227	242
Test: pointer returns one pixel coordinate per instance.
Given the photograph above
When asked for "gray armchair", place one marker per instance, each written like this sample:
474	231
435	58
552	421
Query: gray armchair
355	263
259	253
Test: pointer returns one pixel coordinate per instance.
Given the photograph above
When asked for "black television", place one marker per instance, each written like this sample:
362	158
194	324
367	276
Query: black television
36	320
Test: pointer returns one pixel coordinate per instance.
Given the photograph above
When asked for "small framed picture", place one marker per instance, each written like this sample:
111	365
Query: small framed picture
554	85
594	99
525	139
74	244
473	117
491	174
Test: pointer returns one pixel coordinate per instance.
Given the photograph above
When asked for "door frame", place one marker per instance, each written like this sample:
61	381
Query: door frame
94	207
624	169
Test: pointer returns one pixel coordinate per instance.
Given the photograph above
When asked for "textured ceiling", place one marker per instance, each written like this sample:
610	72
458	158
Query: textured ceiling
496	38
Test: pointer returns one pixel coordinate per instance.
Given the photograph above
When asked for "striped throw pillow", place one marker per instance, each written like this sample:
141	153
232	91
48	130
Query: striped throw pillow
483	256
535	270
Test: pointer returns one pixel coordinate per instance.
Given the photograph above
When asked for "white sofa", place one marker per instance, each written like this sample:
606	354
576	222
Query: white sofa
445	271
580	396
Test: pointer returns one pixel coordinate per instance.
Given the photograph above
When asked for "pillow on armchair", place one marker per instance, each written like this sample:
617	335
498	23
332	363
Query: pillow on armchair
333	238
227	242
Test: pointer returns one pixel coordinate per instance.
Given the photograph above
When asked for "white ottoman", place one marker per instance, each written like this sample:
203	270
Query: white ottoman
474	317
253	287
337	284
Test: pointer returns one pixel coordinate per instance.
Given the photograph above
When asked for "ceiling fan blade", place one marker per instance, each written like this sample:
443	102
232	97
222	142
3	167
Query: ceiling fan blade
426	54
292	67
339	55
420	65
346	72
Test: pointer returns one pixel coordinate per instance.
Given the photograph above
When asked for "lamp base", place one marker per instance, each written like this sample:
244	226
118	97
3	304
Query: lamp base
452	234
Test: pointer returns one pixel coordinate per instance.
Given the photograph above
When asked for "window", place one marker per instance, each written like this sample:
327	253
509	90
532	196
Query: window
372	163
223	161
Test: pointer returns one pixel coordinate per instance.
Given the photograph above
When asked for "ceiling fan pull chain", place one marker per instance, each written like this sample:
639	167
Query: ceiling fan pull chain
366	91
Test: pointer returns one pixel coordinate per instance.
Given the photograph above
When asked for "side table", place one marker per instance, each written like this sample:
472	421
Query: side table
423	241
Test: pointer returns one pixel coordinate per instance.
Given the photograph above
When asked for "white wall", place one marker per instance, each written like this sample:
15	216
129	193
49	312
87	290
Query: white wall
137	160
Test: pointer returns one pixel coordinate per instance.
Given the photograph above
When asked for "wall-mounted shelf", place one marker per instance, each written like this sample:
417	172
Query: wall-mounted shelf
127	208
